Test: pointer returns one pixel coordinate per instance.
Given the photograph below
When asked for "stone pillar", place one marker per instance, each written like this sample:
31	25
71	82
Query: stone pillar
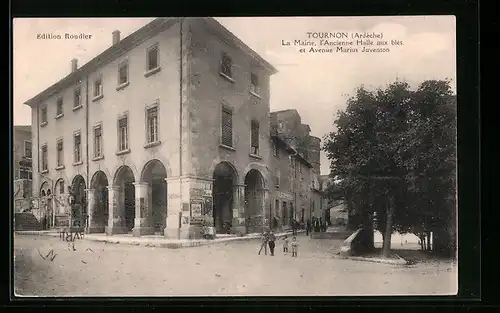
174	208
266	209
142	225
239	223
115	220
90	210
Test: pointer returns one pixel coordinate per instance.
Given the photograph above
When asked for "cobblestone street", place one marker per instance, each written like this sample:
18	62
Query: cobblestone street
234	268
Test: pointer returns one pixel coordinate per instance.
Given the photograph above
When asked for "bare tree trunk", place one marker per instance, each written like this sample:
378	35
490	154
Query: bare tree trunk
386	247
428	241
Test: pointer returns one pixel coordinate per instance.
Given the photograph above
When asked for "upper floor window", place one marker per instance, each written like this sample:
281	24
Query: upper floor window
97	141
226	66
60	106
25	173
227	127
123	133
152	57
60	153
61	187
123	73
77	97
254	138
45	161
77	138
276	150
44	115
98	87
152	124
27	149
277	177
254	84
300	167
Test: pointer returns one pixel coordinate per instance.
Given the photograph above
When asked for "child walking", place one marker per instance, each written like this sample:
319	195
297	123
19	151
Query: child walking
285	244
263	243
271	240
295	244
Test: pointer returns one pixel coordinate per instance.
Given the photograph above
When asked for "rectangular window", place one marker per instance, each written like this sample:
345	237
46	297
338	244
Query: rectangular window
254	138
44	115
226	65
123	73
77	97
276	150
45	161
60	153
61	187
152	124
152	57
97	87
254	83
60	106
227	127
278	176
77	138
123	133
300	168
97	141
25	173
27	149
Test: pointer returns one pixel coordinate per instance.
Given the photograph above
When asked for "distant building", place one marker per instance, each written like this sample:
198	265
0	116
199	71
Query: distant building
22	168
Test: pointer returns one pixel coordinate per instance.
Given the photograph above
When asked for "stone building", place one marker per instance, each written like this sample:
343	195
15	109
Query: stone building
302	178
22	168
165	132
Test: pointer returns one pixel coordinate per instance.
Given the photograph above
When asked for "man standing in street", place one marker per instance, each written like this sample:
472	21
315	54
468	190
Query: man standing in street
263	243
308	226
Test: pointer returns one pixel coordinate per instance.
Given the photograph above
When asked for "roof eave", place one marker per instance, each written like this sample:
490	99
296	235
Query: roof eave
227	34
127	43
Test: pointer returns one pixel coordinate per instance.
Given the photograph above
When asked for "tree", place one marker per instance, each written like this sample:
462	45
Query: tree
391	150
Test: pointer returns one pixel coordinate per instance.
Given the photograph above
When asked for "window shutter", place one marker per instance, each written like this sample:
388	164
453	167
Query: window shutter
255	134
227	127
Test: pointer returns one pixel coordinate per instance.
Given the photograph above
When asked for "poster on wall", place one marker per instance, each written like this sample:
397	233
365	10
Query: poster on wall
196	209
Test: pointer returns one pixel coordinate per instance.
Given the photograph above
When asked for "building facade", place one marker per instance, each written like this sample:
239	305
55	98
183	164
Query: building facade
166	132
22	167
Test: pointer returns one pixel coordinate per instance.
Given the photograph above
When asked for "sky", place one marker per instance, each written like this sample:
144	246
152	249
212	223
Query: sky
316	84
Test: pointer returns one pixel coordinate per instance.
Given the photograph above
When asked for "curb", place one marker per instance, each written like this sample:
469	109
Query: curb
36	233
168	245
399	261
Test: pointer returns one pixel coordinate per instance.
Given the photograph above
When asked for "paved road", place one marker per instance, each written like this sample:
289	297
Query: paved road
100	269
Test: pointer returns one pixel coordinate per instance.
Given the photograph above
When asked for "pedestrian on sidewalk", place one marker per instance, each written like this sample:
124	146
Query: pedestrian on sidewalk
263	243
271	239
308	227
295	245
285	244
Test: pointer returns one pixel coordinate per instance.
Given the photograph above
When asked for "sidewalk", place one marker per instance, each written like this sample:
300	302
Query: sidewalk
155	241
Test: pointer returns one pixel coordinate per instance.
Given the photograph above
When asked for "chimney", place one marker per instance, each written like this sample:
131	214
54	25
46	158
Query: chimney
74	65
116	37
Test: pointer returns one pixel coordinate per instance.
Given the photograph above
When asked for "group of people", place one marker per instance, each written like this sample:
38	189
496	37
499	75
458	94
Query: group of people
269	239
316	224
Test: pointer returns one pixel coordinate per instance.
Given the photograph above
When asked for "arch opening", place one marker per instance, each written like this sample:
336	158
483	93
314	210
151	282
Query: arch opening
125	179
100	211
154	174
254	199
78	202
223	194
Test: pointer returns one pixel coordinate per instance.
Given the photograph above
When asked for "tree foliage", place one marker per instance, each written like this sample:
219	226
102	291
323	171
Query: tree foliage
394	150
